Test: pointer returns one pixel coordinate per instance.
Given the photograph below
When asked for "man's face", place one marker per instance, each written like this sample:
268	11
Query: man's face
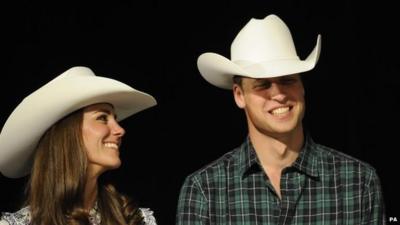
273	106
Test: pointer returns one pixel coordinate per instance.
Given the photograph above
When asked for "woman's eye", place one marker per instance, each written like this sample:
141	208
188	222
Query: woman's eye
102	118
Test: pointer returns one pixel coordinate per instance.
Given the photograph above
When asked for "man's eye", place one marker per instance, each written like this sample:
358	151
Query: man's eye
263	85
288	81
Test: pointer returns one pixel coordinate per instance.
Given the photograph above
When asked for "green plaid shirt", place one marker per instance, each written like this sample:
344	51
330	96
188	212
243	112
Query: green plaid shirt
323	186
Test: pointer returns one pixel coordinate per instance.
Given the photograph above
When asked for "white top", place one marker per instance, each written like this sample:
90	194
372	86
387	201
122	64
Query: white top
23	217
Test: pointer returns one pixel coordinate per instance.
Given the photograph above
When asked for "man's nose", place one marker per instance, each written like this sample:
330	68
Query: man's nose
277	92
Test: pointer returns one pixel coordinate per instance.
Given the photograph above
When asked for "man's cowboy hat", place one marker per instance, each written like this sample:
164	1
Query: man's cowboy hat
262	49
76	88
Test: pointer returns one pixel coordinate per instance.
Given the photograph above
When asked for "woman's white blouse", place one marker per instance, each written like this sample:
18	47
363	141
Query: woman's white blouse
23	217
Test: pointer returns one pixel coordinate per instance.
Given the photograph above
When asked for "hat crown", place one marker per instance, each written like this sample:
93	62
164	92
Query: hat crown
268	39
262	49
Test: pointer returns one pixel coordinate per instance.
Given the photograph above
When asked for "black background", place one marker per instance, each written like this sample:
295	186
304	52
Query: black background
153	46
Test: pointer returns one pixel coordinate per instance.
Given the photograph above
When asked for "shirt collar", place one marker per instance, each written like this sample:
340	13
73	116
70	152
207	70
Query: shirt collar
306	162
94	215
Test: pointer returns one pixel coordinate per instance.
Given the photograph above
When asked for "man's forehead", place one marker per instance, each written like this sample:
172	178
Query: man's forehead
271	78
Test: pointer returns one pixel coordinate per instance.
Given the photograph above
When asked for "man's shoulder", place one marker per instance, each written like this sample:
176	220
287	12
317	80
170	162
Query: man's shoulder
337	159
219	166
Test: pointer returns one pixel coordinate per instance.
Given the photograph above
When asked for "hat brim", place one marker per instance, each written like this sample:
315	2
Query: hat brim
58	98
219	70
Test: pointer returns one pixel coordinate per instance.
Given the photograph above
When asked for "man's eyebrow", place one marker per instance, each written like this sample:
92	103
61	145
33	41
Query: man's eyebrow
262	81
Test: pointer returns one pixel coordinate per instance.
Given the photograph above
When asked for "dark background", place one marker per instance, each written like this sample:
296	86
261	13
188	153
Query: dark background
153	46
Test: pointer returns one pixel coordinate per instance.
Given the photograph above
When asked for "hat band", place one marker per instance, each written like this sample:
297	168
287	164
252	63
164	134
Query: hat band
268	68
247	63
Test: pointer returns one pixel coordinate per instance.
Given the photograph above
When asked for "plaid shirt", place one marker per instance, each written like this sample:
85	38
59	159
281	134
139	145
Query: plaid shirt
323	186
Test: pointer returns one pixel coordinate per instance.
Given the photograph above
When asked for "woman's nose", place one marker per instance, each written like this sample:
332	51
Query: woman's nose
118	130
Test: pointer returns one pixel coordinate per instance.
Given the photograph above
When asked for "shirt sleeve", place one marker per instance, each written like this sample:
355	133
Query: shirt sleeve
373	204
192	204
3	222
148	216
21	217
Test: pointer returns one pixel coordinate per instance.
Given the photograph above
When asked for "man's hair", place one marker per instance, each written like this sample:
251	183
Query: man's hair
58	178
237	80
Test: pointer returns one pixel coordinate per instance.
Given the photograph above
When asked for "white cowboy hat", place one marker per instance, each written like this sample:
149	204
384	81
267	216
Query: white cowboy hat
262	49
76	88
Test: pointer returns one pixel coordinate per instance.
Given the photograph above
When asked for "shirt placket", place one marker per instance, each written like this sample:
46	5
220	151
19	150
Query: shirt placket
292	184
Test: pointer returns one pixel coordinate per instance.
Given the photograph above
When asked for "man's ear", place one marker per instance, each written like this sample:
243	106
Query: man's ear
238	94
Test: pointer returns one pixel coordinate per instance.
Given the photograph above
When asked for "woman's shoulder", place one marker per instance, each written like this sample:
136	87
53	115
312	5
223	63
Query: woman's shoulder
23	217
20	217
148	217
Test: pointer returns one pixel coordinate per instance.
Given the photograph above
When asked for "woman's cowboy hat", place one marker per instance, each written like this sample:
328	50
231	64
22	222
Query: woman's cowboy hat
262	49
76	88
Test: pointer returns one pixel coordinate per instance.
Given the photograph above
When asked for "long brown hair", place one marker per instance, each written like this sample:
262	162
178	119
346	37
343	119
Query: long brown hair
58	177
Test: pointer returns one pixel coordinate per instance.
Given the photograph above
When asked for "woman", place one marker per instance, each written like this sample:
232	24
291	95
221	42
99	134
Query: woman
66	134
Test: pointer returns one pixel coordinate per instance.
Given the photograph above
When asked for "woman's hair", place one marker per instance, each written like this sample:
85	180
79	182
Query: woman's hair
58	177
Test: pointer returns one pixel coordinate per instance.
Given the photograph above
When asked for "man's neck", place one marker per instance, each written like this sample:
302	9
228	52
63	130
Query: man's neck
277	152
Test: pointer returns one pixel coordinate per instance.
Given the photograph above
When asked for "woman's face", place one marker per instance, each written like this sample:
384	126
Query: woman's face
102	137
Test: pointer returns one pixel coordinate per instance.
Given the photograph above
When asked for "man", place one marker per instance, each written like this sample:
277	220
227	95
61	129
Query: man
278	175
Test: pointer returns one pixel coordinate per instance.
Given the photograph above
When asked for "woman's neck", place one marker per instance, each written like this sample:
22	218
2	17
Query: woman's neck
90	196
